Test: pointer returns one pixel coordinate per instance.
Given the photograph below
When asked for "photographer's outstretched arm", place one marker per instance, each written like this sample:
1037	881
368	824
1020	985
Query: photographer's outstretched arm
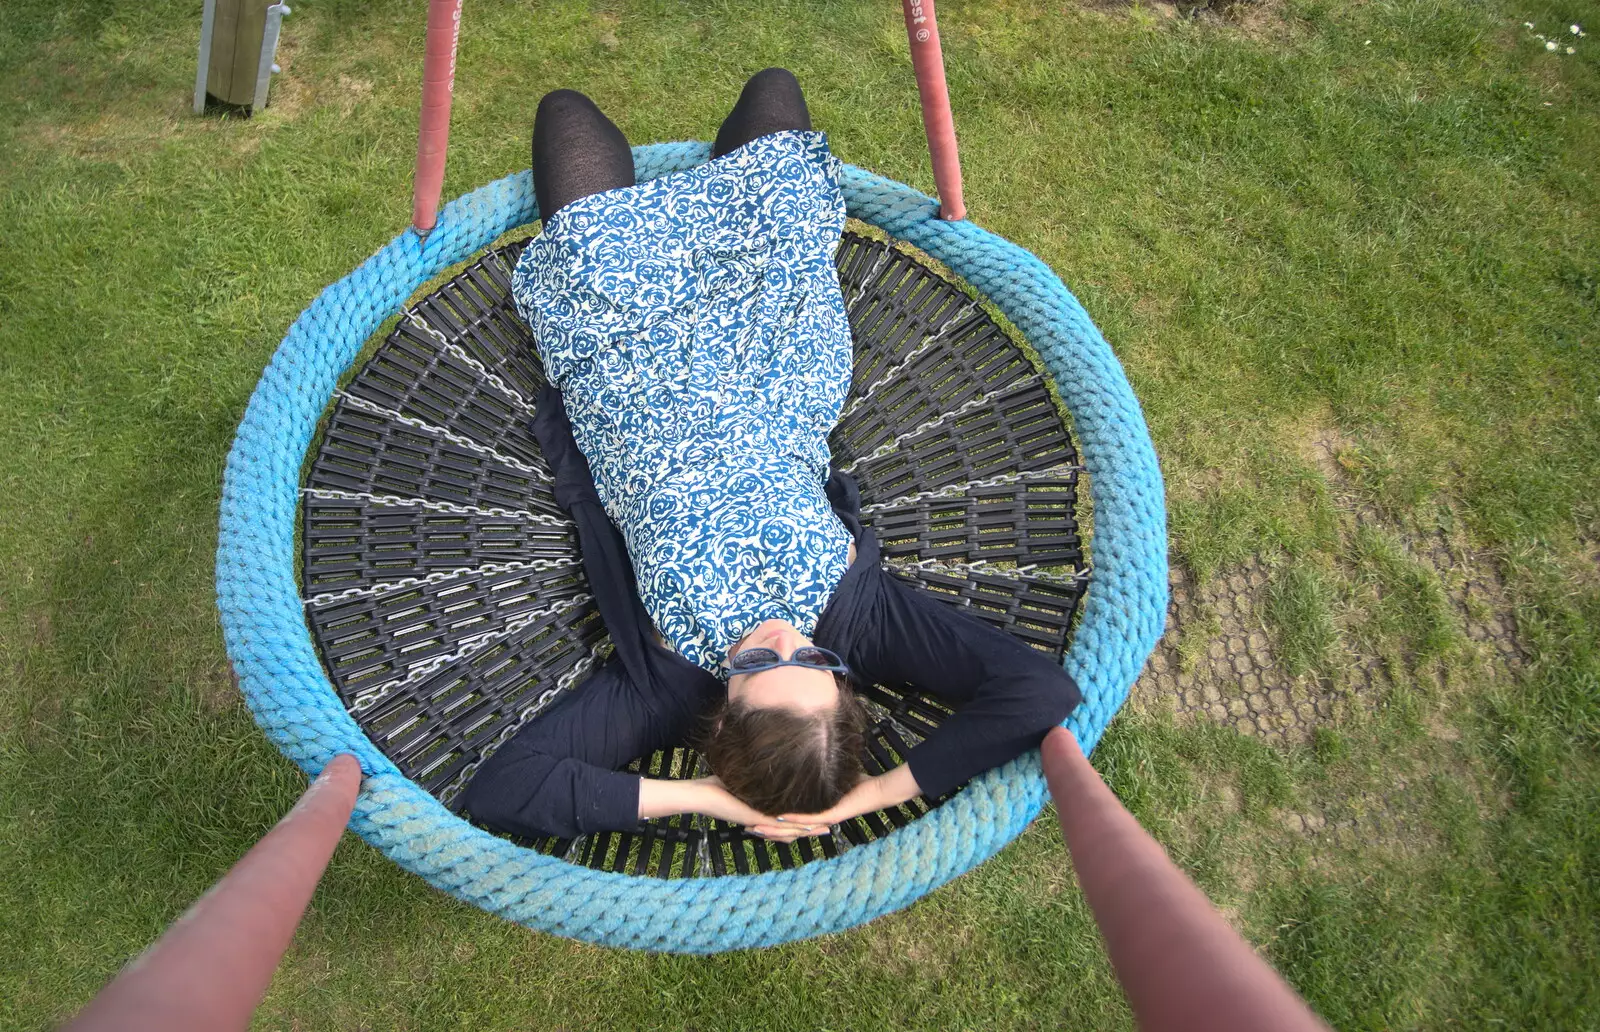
210	969
1179	962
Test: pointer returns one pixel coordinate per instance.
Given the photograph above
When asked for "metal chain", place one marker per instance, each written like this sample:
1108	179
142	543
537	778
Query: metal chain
890	447
335	495
884	257
384	587
964	568
468	646
579	670
882	714
954	490
499	256
455	350
454	438
927	344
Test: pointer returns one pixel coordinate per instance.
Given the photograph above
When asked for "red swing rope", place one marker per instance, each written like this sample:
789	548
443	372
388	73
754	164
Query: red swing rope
438	84
433	135
927	59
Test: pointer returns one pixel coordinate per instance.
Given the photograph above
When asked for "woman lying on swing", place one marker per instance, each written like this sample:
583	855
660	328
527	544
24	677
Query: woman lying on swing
698	352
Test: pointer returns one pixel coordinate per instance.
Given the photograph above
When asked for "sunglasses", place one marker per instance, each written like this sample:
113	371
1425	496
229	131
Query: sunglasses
754	661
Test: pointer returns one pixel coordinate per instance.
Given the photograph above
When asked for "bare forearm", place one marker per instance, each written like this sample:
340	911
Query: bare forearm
895	786
662	798
1180	964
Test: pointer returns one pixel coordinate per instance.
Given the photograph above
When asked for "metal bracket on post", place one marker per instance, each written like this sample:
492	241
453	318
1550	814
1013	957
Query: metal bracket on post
269	49
208	21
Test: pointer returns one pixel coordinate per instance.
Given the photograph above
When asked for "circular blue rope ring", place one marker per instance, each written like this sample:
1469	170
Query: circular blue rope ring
291	698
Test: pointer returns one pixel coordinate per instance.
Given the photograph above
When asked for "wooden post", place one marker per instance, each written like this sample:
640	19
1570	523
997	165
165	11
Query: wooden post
237	41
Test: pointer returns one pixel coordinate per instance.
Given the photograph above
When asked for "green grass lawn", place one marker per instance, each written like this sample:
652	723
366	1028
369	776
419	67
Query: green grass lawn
1349	254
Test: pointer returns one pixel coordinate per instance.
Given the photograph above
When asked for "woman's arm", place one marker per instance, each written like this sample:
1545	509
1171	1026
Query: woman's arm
561	774
558	775
1006	694
663	798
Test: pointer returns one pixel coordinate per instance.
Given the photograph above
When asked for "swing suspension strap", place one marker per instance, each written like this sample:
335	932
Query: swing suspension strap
433	135
928	62
438	83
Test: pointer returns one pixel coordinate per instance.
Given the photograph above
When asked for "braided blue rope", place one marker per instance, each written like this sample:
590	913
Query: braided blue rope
291	698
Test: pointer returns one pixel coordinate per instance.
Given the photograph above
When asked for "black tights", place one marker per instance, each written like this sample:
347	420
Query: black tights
578	151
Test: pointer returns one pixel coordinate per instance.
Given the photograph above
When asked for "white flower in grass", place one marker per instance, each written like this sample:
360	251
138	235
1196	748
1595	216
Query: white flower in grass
1577	30
1571	50
1550	44
1528	25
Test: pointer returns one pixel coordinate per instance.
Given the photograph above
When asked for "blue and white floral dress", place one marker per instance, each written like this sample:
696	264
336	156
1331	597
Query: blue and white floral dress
695	327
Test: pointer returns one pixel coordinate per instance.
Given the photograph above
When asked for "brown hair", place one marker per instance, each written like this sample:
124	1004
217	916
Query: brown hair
779	761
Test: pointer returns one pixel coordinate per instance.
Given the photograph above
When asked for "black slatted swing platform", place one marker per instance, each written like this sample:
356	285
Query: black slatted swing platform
445	593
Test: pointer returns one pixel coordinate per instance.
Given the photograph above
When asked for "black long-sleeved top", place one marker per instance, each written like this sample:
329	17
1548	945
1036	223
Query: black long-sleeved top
560	774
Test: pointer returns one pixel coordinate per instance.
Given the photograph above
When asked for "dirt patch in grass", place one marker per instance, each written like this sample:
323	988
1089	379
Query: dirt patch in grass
1586	570
1259	19
1159	10
904	947
288	95
39	628
1317	651
218	689
350	92
1276	648
112	137
1387	820
1325	448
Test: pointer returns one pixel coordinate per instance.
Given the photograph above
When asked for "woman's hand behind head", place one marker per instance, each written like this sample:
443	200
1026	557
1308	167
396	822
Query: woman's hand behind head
888	789
714	800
